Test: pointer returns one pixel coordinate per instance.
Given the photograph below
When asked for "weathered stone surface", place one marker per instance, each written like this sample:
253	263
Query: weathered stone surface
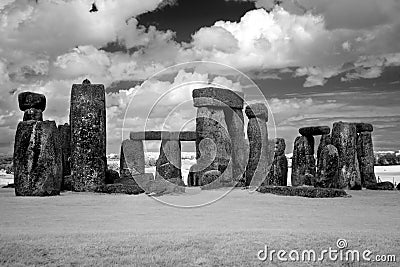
119	188
168	165
325	140
163	135
132	161
217	97
310	192
364	127
381	186
257	165
314	130
65	140
37	159
258	110
111	176
303	161
328	168
66	183
344	138
235	123
27	100
277	174
398	187
213	144
366	158
88	136
210	176
33	114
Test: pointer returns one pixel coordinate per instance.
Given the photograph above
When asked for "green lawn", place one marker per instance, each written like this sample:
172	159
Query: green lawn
96	229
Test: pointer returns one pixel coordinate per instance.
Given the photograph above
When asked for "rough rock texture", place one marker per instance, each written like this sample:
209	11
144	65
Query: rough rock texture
217	97
364	127
88	136
37	159
132	161
213	144
398	187
277	174
381	186
163	135
168	165
314	130
366	158
33	114
344	138
328	168
325	140
303	161
194	175
235	123
27	100
257	133
257	110
111	176
210	176
67	183
119	188
305	191
65	140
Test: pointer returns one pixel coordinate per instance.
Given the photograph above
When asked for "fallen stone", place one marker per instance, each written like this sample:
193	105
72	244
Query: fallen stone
314	130
119	189
37	159
258	110
9	186
364	127
210	176
344	138
381	186
217	97
28	100
33	114
88	136
328	168
310	192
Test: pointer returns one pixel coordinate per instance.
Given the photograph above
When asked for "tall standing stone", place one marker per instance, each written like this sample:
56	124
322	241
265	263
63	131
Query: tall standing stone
277	174
257	133
366	159
132	162
88	136
303	161
37	159
219	146
168	165
328	168
344	138
65	140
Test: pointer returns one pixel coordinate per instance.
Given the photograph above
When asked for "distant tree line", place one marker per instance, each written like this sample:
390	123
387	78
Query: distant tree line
387	159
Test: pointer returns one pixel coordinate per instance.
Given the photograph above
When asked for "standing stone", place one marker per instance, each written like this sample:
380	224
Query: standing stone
132	162
344	138
168	165
235	123
325	140
88	136
37	159
65	140
28	100
303	161
366	159
277	174
257	132
33	114
328	168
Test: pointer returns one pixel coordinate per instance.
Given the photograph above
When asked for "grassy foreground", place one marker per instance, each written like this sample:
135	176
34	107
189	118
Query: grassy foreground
77	229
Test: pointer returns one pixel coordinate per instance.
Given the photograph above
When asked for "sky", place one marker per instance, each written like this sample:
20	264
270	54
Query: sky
313	62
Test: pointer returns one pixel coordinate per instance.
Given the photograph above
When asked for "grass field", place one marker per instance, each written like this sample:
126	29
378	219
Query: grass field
96	229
